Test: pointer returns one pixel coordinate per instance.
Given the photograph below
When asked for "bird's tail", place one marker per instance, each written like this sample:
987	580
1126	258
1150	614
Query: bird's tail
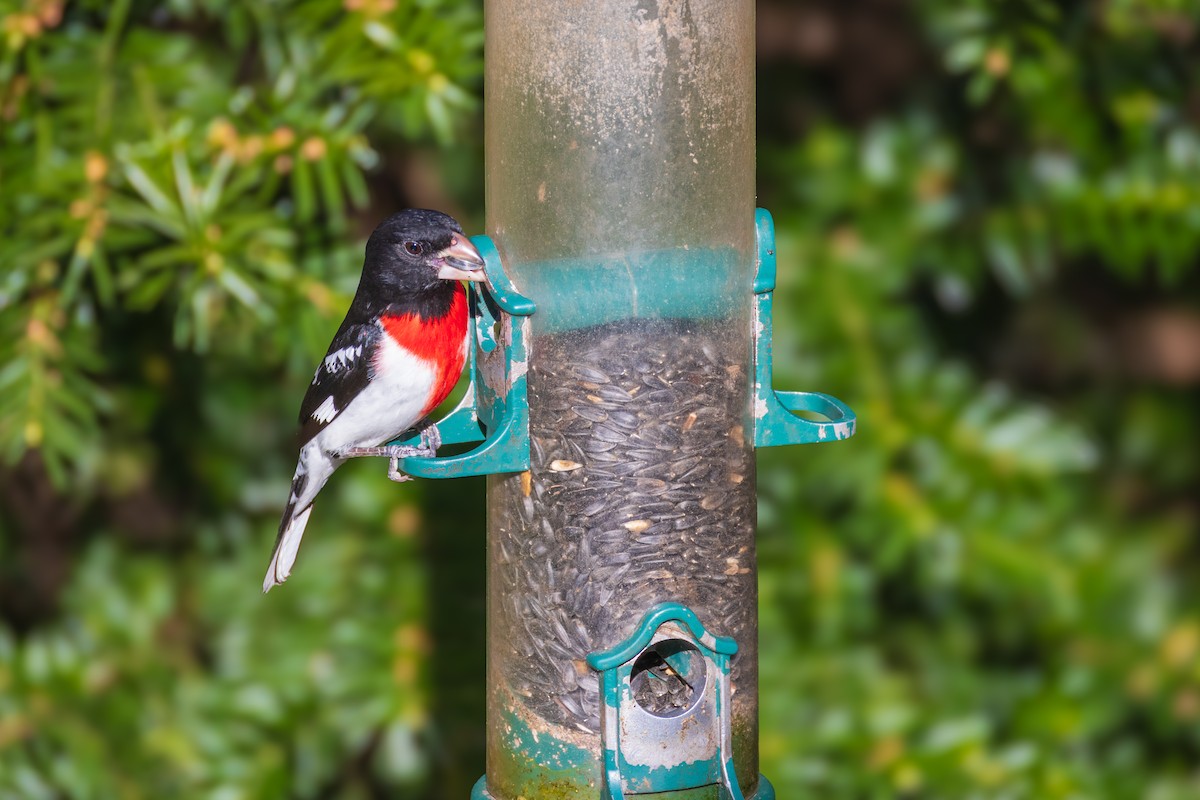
309	479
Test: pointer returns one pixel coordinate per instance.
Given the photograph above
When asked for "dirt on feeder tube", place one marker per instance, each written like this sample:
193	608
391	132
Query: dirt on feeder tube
641	491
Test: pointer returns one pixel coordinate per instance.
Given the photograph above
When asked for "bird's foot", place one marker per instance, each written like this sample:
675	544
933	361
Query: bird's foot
394	453
431	438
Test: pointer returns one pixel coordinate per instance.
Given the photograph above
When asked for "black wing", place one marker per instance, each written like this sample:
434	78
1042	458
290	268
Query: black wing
343	373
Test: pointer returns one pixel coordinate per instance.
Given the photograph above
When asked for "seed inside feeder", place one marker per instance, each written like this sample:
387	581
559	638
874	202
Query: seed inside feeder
636	428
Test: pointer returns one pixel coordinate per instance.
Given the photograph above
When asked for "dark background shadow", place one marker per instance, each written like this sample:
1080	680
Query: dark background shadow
454	548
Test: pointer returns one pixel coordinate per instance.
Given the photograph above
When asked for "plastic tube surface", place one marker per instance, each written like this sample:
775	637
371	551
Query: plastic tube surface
620	193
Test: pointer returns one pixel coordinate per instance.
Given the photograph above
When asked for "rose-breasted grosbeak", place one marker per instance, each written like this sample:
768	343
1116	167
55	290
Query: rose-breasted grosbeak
397	354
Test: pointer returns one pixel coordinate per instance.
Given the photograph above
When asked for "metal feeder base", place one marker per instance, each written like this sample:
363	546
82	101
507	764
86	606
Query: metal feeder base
765	790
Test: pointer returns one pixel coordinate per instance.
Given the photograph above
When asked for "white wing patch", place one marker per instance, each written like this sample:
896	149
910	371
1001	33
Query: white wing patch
339	360
326	411
342	358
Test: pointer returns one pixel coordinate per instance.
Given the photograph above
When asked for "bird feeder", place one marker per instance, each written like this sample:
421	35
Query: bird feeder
620	382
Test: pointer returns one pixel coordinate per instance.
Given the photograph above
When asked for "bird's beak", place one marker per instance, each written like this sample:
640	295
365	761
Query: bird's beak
460	261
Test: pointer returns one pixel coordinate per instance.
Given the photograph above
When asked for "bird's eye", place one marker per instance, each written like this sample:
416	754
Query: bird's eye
413	248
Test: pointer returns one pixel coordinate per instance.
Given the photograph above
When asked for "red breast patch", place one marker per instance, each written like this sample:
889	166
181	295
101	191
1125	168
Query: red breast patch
438	341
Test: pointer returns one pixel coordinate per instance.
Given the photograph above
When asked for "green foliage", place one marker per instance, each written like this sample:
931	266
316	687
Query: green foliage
1110	156
987	593
177	159
186	681
176	192
973	606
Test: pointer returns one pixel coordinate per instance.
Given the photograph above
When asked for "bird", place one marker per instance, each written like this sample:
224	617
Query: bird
396	356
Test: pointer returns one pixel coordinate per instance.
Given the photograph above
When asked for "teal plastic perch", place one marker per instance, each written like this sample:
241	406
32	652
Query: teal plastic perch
775	420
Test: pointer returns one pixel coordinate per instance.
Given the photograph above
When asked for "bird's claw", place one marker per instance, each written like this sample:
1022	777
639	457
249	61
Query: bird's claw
394	472
431	438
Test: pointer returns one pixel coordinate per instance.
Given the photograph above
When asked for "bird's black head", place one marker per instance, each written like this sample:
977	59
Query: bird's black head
418	252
